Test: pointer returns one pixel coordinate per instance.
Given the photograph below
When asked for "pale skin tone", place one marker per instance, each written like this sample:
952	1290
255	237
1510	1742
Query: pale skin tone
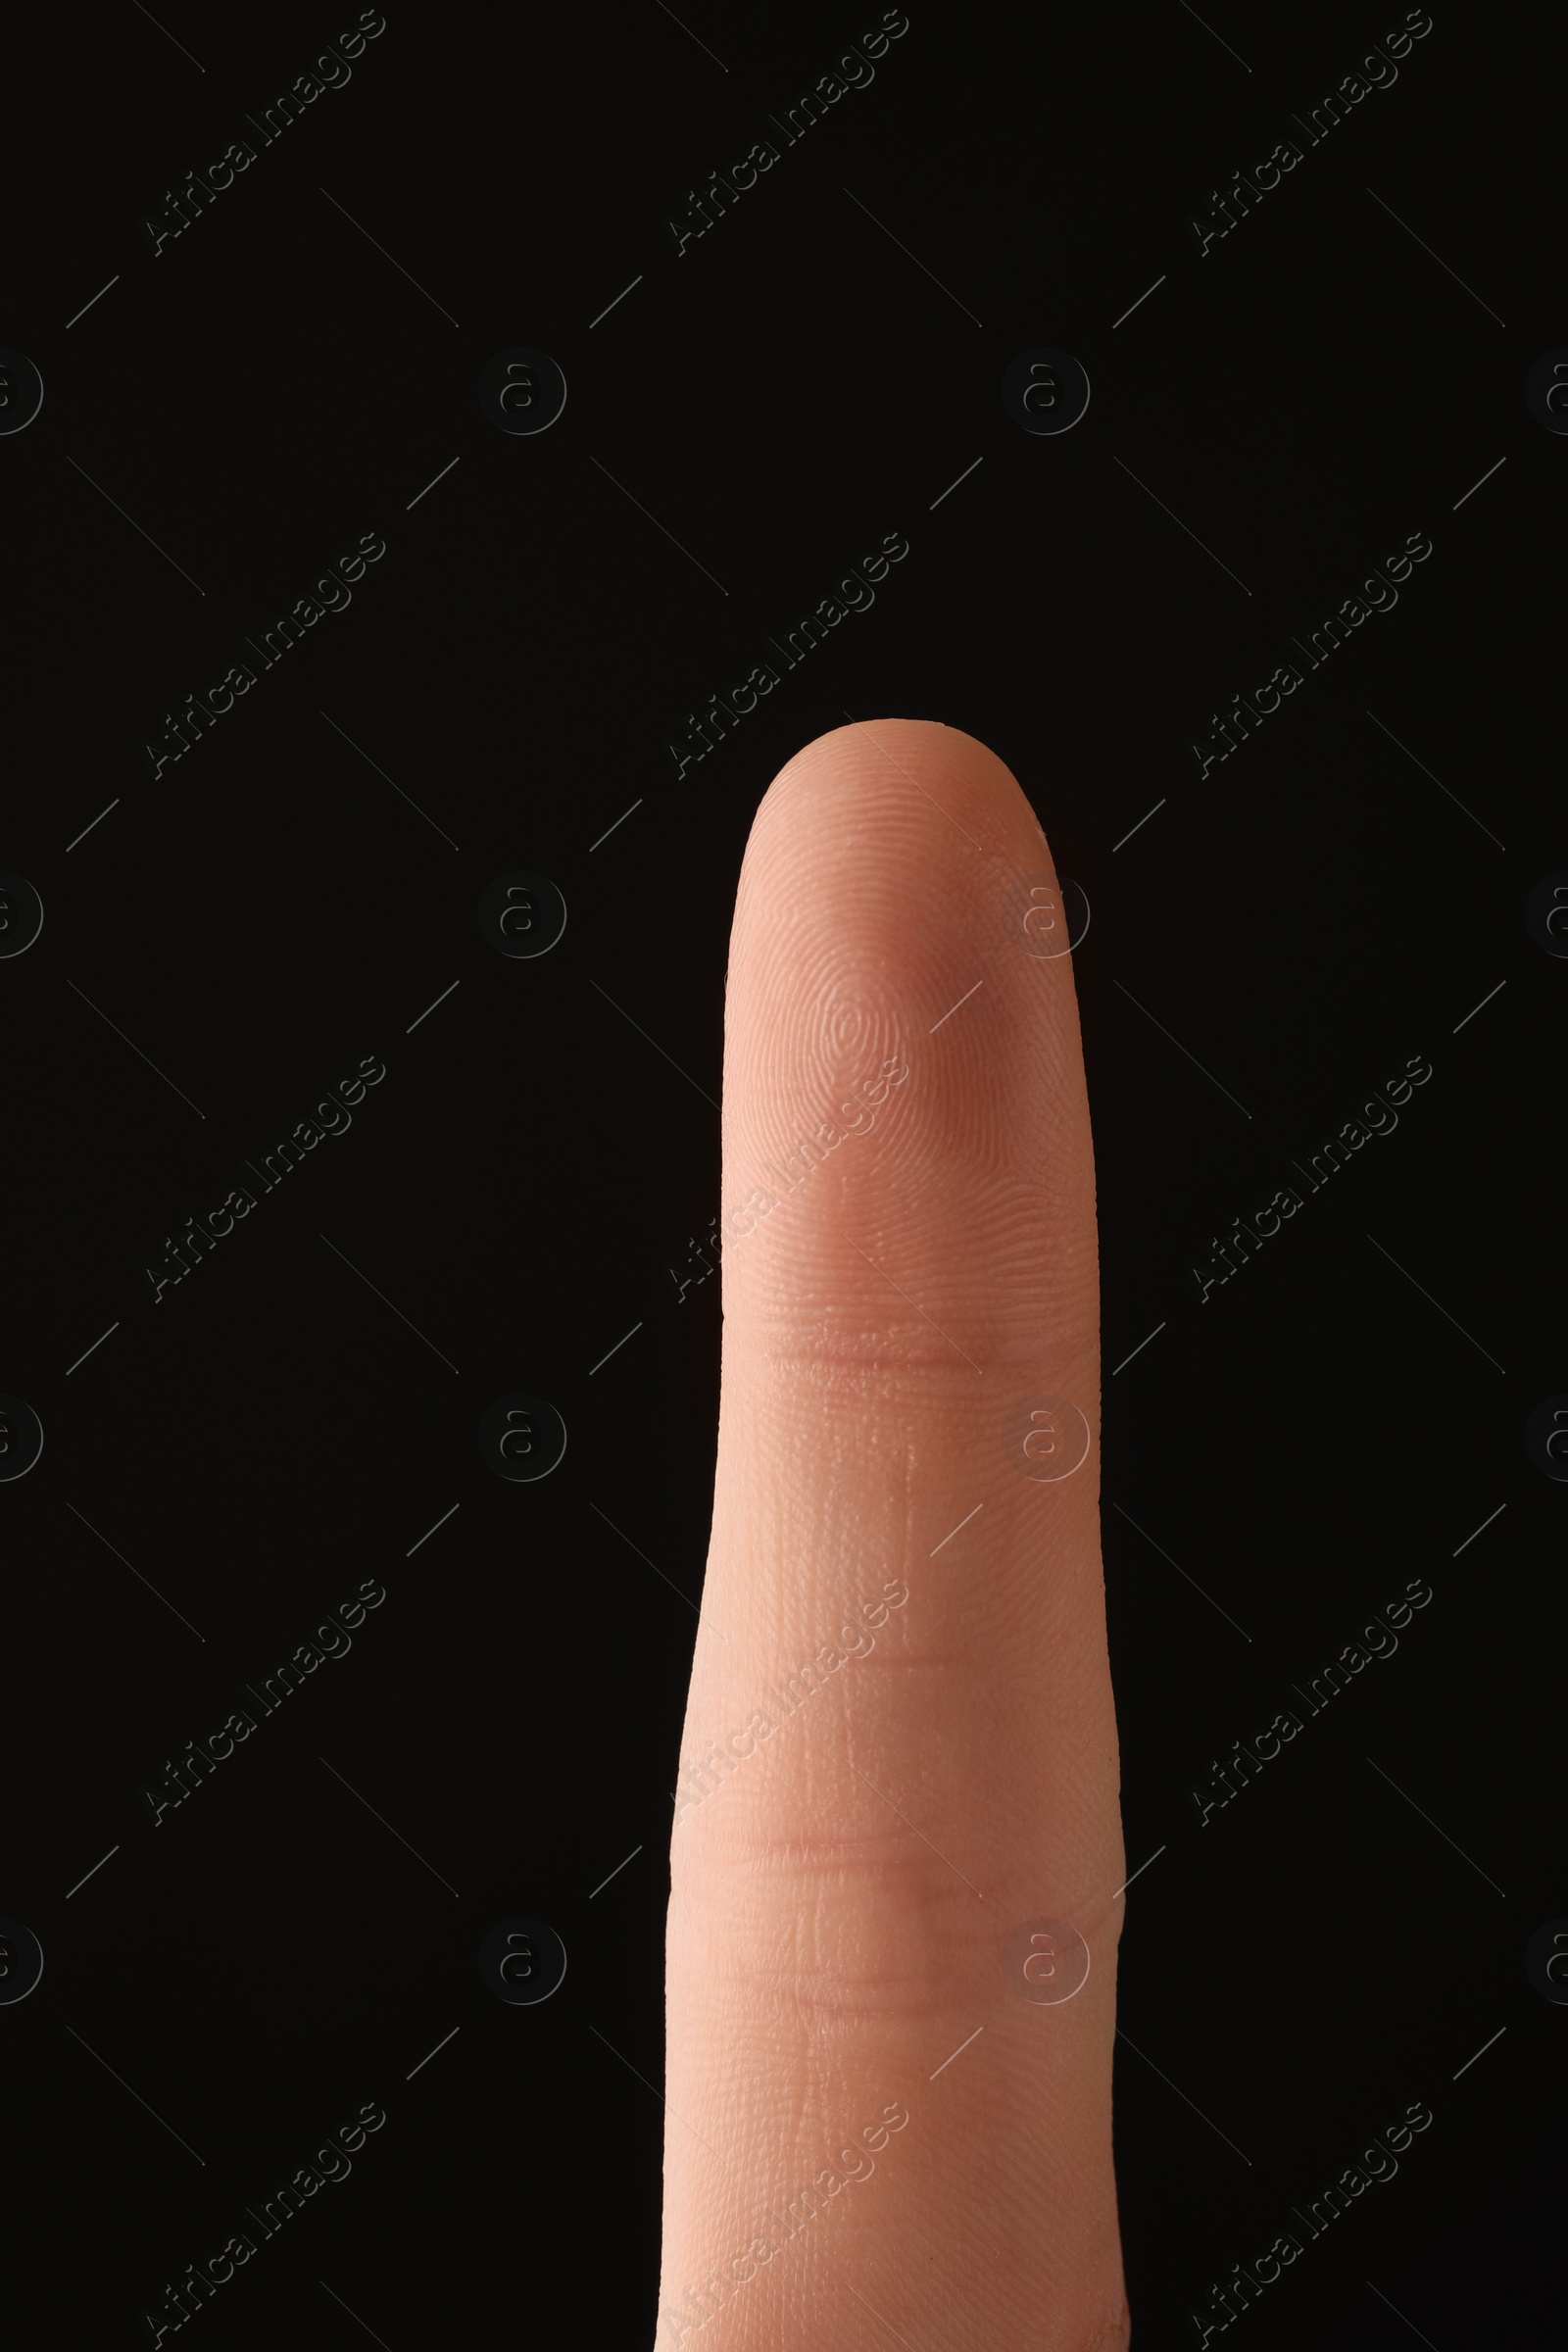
844	1885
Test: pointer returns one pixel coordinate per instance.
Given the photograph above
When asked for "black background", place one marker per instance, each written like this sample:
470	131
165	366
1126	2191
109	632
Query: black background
529	1180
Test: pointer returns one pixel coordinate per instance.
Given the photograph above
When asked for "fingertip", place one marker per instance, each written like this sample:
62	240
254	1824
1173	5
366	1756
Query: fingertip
881	760
899	917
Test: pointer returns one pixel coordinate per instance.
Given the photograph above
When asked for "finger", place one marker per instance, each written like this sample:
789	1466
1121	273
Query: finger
899	1751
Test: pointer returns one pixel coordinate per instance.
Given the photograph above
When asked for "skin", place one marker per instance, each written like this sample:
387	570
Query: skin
843	1885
